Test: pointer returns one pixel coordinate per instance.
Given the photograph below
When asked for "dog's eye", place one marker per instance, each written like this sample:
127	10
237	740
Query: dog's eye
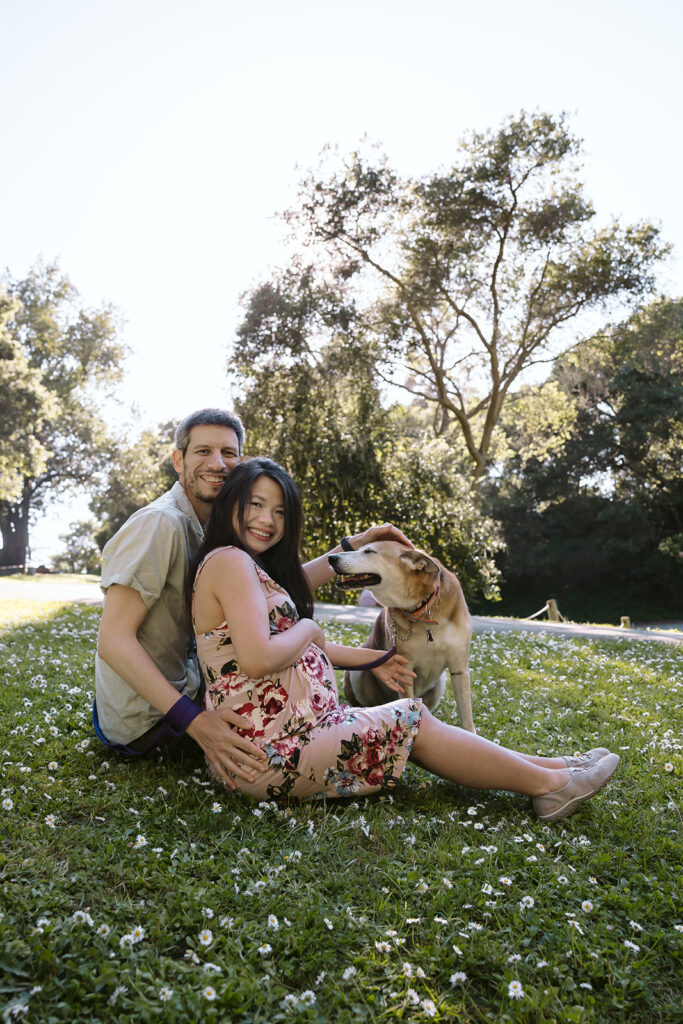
369	551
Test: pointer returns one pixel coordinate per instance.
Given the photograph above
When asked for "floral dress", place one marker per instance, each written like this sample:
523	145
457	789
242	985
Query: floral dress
315	745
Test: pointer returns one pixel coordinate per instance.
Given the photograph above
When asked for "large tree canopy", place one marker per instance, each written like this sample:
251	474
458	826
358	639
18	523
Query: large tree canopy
65	358
457	282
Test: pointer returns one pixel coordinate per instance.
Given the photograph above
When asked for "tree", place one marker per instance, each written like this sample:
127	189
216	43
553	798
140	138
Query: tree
458	282
357	463
136	474
71	356
81	553
591	493
24	405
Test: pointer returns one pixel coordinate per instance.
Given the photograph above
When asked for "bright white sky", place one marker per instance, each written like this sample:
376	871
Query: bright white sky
147	144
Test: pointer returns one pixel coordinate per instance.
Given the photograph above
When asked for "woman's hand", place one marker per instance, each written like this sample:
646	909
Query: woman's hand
396	674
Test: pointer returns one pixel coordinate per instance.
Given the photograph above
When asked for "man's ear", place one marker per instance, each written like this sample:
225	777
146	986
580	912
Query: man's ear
419	562
177	460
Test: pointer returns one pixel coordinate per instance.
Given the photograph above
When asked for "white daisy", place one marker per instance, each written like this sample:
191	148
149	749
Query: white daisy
515	990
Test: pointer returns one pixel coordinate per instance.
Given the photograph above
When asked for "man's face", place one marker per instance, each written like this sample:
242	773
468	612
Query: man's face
212	452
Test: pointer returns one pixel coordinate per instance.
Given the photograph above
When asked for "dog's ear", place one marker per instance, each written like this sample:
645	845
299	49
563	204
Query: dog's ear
419	562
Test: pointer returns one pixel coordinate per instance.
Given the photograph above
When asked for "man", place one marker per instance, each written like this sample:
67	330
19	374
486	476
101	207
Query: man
147	681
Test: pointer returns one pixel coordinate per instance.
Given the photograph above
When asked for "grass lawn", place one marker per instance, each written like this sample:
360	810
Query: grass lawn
136	892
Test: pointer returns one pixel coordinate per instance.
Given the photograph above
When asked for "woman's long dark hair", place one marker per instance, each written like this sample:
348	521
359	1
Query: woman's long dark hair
282	562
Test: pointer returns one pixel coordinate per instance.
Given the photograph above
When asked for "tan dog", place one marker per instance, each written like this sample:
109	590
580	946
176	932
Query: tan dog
425	617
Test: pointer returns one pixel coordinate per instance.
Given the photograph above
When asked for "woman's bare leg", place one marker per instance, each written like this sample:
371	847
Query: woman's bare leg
473	761
543	762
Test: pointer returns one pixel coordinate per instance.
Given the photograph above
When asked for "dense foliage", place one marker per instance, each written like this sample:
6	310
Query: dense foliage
590	495
358	463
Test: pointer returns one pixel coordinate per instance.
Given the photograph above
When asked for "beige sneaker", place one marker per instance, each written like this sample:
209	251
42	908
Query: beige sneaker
590	758
584	782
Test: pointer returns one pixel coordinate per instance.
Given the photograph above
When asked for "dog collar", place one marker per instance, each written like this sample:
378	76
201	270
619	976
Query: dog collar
422	611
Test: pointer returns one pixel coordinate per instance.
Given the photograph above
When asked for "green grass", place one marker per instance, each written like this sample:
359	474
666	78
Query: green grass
122	882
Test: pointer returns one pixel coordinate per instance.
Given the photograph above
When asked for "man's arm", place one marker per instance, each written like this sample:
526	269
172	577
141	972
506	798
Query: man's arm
320	571
123	614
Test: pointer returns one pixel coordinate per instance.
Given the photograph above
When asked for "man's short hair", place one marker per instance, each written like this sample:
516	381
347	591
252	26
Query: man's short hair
208	418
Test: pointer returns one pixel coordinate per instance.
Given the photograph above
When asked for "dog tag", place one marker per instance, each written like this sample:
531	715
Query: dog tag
430	638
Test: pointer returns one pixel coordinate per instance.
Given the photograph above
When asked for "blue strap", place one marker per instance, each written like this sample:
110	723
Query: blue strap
376	663
163	736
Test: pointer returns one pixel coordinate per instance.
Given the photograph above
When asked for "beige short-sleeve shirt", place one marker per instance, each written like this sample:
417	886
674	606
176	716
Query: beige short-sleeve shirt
151	553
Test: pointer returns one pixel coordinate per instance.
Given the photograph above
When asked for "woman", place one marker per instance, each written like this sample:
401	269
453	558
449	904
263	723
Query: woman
264	657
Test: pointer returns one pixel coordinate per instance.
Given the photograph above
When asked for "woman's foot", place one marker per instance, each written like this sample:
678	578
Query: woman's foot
589	759
585	781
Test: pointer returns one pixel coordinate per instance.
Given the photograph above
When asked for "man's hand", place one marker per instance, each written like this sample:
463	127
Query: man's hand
384	532
232	755
396	674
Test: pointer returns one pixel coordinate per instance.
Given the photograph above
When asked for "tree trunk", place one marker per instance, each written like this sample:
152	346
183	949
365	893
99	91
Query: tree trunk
14	529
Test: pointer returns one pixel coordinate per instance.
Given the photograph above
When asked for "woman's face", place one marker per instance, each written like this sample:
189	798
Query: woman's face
264	516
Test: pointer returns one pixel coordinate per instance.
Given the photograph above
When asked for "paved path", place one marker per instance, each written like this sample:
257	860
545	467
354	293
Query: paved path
480	624
90	593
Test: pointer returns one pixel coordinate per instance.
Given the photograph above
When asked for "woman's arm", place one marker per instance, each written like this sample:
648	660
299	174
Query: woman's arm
395	673
230	579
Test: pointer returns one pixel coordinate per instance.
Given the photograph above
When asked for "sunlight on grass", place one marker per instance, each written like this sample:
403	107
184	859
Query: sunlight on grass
135	891
52	577
17	611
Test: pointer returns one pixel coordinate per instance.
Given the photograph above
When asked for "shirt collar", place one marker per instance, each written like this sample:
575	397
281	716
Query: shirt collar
183	502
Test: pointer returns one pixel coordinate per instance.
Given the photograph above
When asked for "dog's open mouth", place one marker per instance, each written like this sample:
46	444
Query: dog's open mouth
358	581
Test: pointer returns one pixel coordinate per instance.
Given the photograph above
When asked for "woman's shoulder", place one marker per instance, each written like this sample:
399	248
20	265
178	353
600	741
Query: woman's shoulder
229	556
227	563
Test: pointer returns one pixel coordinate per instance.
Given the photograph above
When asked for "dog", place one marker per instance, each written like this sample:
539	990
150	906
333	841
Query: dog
425	617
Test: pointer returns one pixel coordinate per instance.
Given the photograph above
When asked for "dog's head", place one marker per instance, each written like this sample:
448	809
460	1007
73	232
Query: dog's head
398	576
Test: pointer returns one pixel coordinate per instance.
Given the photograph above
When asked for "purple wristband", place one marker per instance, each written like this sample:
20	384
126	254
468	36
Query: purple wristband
376	663
181	714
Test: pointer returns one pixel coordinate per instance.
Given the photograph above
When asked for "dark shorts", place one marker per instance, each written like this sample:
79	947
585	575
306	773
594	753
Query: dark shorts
158	739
